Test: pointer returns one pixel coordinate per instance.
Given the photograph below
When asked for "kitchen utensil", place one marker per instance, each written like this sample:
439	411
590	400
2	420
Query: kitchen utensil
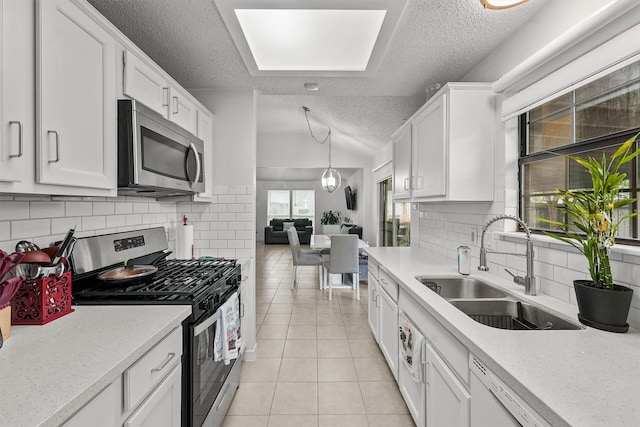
63	246
121	275
8	288
9	261
51	251
26	246
150	259
40	271
36	257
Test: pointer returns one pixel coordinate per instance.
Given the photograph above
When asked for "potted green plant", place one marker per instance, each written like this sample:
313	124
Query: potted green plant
330	221
591	228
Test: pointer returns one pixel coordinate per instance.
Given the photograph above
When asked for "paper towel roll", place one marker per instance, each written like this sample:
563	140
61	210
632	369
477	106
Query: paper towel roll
184	242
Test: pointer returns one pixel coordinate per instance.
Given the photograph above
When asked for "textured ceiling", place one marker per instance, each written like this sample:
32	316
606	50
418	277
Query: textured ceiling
436	41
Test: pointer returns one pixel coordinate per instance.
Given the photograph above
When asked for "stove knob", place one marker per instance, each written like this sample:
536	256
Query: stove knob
205	304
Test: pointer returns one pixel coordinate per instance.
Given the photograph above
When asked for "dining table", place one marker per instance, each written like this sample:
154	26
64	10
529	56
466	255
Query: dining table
323	241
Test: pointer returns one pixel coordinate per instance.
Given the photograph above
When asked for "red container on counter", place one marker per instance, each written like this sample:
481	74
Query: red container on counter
40	301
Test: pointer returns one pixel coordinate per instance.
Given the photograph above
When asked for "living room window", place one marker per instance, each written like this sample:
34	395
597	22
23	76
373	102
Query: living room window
587	122
294	204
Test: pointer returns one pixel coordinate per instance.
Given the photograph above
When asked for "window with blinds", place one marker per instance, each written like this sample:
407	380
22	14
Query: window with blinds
587	122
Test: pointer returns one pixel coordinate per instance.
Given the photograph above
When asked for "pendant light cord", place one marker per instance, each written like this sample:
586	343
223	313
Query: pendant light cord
306	115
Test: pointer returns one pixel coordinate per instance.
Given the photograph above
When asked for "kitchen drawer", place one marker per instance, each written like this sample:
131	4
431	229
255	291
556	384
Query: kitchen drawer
151	368
452	351
388	284
373	268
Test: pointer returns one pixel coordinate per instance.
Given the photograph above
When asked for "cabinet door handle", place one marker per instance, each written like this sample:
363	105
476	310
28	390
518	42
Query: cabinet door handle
425	364
175	105
19	139
55	132
405	184
164	363
165	96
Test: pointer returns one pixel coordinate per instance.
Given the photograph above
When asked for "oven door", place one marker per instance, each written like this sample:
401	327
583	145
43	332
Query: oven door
208	375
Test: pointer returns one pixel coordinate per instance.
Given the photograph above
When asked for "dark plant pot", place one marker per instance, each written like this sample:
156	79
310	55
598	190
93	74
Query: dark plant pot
603	308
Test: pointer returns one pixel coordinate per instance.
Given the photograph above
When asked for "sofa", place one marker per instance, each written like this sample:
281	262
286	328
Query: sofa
276	231
351	229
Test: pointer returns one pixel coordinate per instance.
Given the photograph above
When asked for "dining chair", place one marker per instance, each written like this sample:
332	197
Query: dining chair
344	260
302	256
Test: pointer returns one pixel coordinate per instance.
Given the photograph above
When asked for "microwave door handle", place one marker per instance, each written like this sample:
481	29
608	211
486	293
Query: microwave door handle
198	166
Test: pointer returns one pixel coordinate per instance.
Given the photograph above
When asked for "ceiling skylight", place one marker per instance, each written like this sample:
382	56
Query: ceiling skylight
311	37
285	39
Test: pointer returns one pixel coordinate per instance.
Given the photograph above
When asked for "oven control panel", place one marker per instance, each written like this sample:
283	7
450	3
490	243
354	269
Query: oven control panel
128	243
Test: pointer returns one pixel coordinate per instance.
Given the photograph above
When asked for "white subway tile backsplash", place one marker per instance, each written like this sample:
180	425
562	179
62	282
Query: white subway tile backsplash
62	225
94	223
209	216
5	231
78	208
220	189
12	210
46	210
552	256
226	198
104	208
30	228
115	221
134	219
141	208
226	235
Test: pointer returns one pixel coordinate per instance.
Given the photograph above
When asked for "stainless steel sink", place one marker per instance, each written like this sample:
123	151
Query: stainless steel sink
461	287
511	314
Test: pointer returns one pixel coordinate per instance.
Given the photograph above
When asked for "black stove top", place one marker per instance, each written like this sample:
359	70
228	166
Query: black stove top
176	281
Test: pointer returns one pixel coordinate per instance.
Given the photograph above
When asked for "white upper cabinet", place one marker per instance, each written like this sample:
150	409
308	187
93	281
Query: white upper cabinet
205	133
402	163
17	92
146	85
183	110
76	98
428	162
445	151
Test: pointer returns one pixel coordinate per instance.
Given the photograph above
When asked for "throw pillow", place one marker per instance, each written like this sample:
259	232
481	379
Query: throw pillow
345	229
287	225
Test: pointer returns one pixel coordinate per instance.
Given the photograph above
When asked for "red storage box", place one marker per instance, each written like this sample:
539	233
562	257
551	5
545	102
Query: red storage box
40	301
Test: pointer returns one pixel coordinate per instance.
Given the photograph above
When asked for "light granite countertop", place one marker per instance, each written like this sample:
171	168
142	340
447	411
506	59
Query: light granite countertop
580	378
48	372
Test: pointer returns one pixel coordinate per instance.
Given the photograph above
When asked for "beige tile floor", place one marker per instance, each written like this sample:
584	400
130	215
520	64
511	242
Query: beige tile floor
317	362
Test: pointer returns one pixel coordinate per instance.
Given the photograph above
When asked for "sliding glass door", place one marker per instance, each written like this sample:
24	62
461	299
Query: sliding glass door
395	218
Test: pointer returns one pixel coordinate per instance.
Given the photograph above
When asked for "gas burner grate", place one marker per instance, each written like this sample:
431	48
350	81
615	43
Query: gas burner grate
177	280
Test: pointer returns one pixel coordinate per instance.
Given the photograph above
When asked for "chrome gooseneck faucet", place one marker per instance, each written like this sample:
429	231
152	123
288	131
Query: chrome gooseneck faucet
529	281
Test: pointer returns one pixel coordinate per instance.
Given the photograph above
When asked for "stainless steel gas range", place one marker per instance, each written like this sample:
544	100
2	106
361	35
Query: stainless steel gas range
208	384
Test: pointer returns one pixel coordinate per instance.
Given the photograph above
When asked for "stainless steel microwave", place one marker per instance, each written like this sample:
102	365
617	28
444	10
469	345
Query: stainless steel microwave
156	157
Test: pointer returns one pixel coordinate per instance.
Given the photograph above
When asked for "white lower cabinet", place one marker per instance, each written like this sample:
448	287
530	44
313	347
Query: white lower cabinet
374	306
441	395
448	401
103	411
147	394
162	407
388	332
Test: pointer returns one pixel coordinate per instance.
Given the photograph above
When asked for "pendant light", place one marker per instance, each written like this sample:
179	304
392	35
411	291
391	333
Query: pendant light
330	179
